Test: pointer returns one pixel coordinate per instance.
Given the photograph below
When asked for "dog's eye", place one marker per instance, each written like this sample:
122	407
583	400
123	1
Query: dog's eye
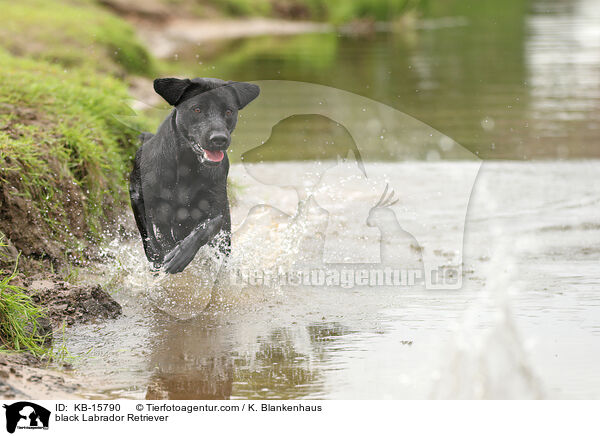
197	109
228	112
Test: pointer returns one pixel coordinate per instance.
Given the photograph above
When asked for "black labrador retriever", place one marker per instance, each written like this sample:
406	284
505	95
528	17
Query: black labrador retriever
178	186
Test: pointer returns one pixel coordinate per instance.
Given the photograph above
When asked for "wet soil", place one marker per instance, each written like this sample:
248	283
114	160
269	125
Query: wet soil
68	303
22	376
26	376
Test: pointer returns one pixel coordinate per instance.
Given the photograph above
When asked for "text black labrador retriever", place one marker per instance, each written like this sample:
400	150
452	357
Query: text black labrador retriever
178	186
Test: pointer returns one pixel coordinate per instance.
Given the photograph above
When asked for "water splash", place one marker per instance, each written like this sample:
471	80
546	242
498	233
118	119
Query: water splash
268	242
488	359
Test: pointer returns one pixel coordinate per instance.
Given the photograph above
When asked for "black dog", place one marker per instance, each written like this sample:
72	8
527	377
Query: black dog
178	186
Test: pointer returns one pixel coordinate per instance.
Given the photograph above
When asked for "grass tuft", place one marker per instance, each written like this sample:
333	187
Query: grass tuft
19	316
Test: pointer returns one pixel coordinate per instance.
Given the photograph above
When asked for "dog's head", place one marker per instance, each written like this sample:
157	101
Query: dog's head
206	112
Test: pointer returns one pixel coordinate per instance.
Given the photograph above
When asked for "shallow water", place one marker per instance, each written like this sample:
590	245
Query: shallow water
524	325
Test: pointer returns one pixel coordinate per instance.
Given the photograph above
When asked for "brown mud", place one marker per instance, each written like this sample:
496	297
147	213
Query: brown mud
68	304
25	376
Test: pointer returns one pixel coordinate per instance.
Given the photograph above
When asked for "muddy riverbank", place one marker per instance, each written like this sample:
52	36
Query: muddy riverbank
26	376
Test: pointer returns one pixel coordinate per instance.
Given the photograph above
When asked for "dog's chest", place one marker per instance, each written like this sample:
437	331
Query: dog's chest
190	190
197	193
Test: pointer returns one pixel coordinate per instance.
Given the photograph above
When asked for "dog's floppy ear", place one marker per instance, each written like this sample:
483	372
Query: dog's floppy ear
244	92
171	89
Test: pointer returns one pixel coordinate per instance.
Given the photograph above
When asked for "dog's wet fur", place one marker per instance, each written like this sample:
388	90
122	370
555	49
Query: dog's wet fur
178	186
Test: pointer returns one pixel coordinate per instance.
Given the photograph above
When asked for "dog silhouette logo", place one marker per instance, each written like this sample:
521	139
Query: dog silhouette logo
26	415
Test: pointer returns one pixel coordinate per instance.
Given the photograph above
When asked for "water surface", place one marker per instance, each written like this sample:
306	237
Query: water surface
523	325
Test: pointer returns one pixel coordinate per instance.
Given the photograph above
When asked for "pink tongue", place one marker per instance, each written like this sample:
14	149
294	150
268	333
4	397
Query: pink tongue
215	156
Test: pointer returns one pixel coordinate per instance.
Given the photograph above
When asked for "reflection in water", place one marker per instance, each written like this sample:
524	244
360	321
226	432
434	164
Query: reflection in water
195	359
277	370
563	57
189	361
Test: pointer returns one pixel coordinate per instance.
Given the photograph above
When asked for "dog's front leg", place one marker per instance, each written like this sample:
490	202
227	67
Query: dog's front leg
179	257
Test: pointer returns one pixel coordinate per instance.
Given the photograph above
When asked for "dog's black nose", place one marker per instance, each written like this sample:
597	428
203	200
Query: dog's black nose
218	140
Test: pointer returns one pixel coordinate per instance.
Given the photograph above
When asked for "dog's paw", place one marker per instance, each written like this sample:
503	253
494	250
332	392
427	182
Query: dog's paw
180	257
179	260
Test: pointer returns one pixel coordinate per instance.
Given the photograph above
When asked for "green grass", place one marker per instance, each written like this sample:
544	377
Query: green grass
245	7
19	328
63	152
19	319
59	351
73	33
342	11
334	11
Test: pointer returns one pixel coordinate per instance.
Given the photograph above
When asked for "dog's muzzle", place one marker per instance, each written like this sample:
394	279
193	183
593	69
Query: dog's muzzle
210	157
